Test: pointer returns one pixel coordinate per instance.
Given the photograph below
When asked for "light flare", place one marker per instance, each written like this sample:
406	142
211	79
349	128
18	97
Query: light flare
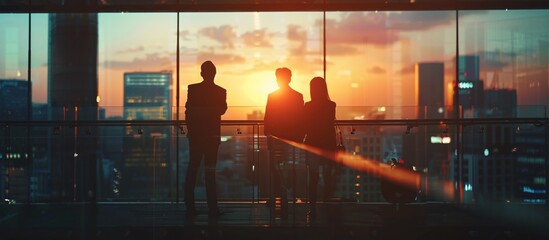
404	177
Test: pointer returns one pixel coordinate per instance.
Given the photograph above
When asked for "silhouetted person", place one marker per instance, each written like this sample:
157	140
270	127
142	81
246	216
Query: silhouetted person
206	102
320	133
283	119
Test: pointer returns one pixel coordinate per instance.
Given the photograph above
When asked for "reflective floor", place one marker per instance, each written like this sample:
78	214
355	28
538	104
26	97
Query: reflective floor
256	221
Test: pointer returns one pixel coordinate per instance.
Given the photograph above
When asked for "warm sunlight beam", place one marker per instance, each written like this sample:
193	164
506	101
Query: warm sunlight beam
407	178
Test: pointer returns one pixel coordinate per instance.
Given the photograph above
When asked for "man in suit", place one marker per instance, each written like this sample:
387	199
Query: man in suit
206	102
283	119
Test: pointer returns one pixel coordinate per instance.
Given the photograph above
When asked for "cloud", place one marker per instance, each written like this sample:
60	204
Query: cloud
150	61
131	50
295	33
298	40
220	59
413	21
377	70
224	34
382	28
257	38
340	49
184	35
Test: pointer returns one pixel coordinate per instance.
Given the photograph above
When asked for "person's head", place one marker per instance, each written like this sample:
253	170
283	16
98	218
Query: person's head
283	76
318	88
207	71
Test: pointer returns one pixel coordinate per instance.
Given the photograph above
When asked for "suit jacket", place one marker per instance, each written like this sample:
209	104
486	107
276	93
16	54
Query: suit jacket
284	115
206	102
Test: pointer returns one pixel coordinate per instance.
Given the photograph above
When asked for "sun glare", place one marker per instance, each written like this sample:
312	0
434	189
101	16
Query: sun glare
256	88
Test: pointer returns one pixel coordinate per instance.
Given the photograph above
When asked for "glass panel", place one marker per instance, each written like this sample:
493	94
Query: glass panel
394	60
41	180
16	185
247	48
136	64
14	85
504	163
506	54
39	65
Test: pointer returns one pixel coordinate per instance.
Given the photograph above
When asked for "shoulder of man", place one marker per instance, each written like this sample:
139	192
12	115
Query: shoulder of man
219	88
194	85
297	93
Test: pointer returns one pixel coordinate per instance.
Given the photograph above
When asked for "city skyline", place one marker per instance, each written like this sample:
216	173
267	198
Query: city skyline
369	54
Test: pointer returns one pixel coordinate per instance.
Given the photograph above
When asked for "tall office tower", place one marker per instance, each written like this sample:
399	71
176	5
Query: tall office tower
41	168
146	170
72	86
429	81
469	69
13	167
497	175
418	147
470	88
13	100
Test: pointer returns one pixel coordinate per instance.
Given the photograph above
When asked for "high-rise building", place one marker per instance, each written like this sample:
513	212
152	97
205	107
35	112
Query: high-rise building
72	97
146	170
469	69
13	167
429	81
419	148
470	88
13	99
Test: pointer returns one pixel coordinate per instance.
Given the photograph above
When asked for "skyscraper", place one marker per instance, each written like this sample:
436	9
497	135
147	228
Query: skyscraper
429	81
470	88
147	167
469	69
72	86
418	149
13	99
13	167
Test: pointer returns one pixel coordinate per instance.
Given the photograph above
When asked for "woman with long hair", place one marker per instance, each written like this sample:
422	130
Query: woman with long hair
320	133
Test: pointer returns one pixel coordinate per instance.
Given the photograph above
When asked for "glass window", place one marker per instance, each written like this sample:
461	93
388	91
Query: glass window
507	52
247	48
136	60
374	60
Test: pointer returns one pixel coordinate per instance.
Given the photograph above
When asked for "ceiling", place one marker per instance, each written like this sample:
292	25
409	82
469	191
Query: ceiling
23	6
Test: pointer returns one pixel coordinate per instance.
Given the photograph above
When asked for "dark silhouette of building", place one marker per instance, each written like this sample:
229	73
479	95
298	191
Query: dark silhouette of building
72	97
418	148
13	99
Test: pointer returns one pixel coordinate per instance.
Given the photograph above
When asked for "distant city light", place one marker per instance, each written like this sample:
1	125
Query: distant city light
436	139
440	140
486	152
465	85
526	189
446	140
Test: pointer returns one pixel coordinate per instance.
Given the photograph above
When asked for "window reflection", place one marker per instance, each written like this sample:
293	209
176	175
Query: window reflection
377	64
